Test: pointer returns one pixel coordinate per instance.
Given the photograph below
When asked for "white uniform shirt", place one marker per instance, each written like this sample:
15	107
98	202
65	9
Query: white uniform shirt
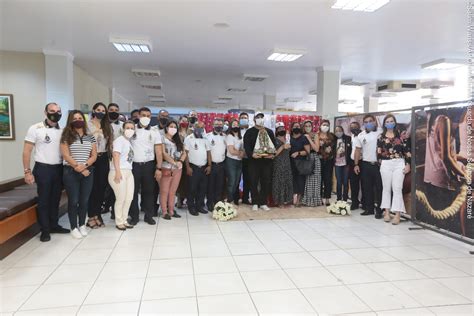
218	147
117	129
144	143
368	143
46	140
124	147
236	142
354	142
197	149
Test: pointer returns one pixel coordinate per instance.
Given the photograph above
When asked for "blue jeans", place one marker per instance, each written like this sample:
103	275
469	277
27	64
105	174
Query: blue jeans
233	169
342	177
78	189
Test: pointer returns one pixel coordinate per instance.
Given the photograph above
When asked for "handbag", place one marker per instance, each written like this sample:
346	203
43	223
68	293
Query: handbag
304	166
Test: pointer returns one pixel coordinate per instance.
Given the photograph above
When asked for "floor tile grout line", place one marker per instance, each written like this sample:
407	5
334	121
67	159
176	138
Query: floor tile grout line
192	264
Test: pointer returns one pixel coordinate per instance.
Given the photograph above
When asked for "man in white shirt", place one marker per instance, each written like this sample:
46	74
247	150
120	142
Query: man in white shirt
192	118
147	160
244	126
353	177
114	115
215	186
198	168
44	138
370	172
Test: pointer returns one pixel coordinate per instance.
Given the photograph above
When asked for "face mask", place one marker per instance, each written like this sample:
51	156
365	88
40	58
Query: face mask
390	125
198	132
244	122
218	129
281	133
54	117
339	134
128	133
145	121
192	120
78	124
98	115
163	121
136	120
355	131
184	124
369	126
172	131
235	129
308	129
296	130
226	128
259	121
324	128
114	115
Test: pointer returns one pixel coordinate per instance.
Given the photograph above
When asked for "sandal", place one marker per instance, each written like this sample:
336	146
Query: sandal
100	222
91	223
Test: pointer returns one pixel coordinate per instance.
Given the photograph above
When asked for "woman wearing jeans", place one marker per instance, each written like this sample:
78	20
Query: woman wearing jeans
343	152
327	148
172	168
79	151
233	161
121	177
393	149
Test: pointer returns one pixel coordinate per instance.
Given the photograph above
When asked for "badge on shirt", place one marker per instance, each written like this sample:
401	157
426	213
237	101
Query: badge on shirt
364	141
213	142
47	139
195	146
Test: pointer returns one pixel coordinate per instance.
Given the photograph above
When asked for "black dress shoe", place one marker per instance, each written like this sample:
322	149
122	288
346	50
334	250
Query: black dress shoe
378	215
236	202
150	221
133	222
246	202
203	211
45	237
176	215
365	213
167	216
193	213
59	230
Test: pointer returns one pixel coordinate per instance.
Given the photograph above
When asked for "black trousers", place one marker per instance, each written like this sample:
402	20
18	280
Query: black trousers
246	182
109	200
197	188
144	176
372	184
48	180
260	173
101	174
327	167
354	180
215	186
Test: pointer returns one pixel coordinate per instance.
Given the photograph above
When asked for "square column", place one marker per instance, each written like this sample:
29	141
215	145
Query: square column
328	81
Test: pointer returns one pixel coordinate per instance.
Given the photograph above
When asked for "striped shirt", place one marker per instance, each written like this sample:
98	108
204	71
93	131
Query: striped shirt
81	149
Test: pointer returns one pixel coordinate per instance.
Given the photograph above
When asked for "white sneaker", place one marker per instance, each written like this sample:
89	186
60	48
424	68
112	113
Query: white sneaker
265	208
83	230
76	234
255	208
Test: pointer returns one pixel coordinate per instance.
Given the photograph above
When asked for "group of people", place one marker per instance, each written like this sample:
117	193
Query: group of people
109	162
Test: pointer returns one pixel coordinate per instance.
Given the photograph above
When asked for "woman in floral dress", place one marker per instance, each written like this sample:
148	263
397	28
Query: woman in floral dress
282	182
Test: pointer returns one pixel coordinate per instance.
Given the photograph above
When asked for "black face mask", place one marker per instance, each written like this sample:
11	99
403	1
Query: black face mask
98	115
54	117
281	133
296	130
235	129
218	129
355	131
163	121
136	120
114	115
192	120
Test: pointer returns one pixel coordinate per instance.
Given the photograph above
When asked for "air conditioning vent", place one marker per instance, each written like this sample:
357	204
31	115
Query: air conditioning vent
225	97
255	78
347	101
156	95
151	85
157	99
398	86
237	90
146	73
313	92
352	82
436	84
219	102
292	100
384	95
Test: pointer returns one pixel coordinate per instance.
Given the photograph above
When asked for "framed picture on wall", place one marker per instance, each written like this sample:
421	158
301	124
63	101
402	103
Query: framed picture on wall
7	128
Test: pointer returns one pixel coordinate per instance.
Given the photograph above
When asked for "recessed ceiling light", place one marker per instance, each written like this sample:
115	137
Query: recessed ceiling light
151	85
221	25
131	45
146	73
443	64
360	5
285	55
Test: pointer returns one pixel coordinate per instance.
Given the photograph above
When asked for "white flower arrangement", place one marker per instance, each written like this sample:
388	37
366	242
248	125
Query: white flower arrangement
339	208
223	211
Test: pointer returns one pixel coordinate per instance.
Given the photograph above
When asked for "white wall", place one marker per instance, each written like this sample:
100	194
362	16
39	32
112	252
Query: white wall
88	90
23	75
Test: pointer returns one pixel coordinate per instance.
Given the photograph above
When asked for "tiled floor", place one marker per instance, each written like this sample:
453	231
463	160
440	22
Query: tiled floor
195	265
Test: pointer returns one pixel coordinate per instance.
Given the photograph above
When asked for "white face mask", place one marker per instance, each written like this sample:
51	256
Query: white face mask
324	128
145	121
259	121
128	133
172	131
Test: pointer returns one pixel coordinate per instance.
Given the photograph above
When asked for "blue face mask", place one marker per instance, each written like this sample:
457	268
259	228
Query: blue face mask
369	126
390	125
244	122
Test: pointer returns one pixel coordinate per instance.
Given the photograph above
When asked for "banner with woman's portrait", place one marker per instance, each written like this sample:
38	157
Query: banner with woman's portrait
443	166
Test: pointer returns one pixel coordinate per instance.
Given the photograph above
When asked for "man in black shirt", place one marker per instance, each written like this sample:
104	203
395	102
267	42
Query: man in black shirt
260	165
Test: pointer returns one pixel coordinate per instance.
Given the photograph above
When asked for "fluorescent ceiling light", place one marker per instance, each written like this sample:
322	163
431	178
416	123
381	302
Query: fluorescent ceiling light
131	45
360	5
443	64
284	55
